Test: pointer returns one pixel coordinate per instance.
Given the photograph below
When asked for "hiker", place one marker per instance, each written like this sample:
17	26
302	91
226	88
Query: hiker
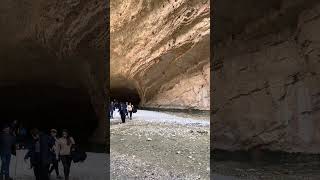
65	147
126	108
14	128
21	136
55	160
111	109
114	105
39	154
122	111
130	109
7	141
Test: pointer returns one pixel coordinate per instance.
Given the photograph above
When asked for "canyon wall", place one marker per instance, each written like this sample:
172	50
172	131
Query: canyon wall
55	43
266	83
161	50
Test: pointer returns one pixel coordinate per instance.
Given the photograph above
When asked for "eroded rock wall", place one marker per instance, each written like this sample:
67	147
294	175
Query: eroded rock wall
162	48
55	42
266	87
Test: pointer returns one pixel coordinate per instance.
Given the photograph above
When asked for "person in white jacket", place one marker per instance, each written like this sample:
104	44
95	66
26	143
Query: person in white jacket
54	150
65	147
130	109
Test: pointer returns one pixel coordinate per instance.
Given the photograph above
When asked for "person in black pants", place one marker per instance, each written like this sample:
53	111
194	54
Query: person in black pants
55	162
111	109
130	109
65	147
122	111
39	154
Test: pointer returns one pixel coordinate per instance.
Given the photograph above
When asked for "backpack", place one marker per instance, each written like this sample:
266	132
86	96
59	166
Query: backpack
134	110
78	155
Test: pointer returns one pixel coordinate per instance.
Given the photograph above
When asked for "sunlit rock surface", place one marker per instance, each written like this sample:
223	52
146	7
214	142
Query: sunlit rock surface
160	49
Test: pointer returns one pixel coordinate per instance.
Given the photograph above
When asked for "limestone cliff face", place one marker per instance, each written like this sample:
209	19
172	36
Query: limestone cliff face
266	83
161	49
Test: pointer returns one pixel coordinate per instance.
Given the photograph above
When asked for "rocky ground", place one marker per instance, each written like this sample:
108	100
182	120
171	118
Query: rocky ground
157	145
94	168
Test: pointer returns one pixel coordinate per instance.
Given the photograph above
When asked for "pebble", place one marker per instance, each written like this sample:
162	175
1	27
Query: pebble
149	139
178	152
190	157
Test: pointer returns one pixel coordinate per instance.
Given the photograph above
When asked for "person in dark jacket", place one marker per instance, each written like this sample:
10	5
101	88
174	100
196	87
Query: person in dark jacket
111	108
21	136
40	155
122	111
7	141
14	128
114	105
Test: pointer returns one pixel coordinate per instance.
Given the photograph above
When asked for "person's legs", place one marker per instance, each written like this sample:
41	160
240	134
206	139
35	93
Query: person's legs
51	168
3	161
69	160
123	117
111	113
66	162
8	165
36	171
44	172
56	167
5	164
130	115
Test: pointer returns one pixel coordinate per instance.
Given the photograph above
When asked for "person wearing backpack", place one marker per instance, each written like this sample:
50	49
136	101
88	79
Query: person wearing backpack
130	110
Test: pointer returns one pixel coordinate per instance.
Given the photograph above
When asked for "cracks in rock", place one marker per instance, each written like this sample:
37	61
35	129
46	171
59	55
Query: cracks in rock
312	19
295	79
217	65
264	131
244	69
250	92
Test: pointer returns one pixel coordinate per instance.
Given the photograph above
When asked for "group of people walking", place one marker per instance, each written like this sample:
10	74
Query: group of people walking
44	152
125	109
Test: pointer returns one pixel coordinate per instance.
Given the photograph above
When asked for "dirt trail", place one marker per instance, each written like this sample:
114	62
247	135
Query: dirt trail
157	145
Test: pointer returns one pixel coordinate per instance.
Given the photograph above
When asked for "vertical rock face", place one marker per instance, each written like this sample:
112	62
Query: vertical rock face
161	50
266	81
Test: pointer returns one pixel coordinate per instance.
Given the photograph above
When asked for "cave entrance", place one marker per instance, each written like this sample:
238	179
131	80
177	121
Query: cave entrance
46	106
125	94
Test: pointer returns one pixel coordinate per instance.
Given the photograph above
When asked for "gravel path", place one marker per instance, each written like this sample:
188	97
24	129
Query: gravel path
157	145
